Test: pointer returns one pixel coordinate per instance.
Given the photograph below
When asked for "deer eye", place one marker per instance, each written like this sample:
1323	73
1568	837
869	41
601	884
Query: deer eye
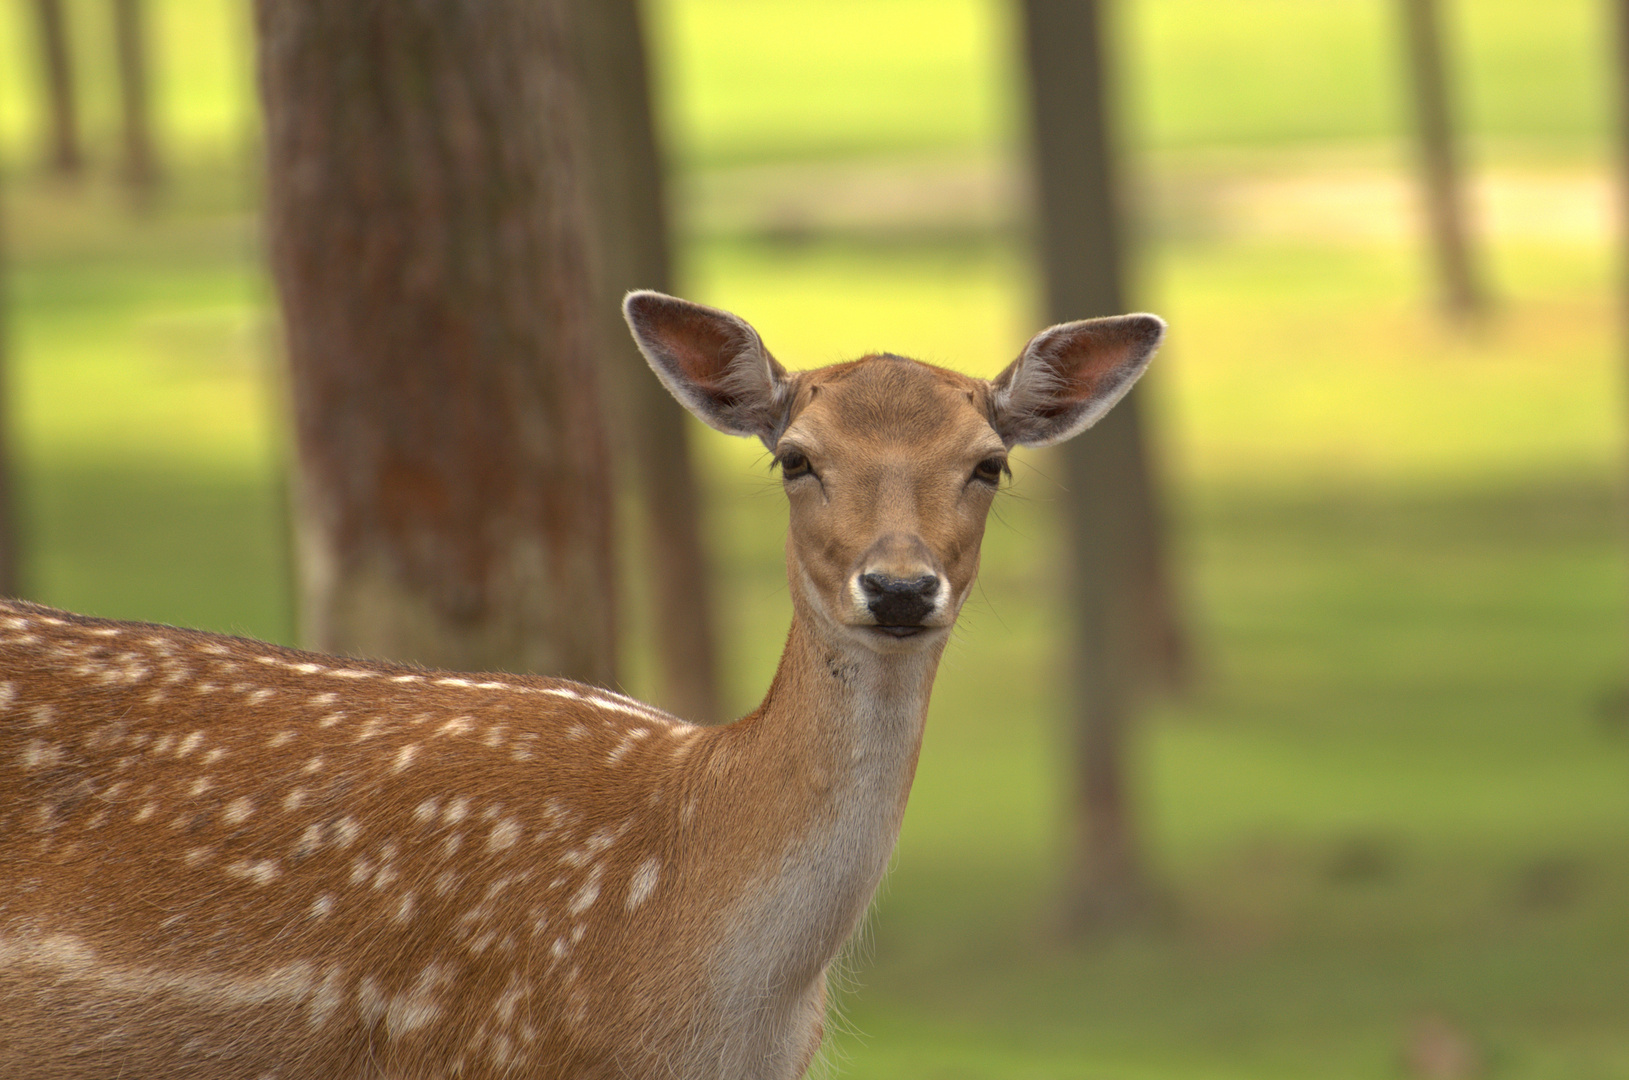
990	469
793	464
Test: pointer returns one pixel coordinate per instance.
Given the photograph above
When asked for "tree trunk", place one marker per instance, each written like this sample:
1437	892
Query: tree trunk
630	205
9	585
63	150
429	244
139	167
1617	705
1126	632
1463	294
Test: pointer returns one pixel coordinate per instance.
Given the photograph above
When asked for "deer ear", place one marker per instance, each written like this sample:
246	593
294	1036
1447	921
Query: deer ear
1069	375
713	362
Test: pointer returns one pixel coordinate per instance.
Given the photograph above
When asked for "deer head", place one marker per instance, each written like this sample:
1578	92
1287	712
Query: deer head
890	465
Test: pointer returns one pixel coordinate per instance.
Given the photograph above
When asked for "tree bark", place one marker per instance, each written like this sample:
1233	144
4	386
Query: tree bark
1463	293
430	246
1126	634
63	149
140	167
630	209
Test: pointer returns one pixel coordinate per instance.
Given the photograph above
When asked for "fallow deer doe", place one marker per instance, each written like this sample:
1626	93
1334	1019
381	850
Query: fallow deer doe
226	859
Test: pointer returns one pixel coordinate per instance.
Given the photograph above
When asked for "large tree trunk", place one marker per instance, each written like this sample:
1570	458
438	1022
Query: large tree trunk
430	246
1463	294
129	31
631	214
1126	633
62	151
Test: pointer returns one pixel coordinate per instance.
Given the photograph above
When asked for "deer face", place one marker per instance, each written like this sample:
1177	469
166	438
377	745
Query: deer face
890	465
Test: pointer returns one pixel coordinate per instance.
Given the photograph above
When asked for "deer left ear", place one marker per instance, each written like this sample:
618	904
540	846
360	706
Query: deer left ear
1069	375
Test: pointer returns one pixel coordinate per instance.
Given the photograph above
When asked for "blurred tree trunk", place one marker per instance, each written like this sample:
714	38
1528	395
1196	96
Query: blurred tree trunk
1463	293
1617	705
63	151
1127	635
9	584
129	31
630	209
429	243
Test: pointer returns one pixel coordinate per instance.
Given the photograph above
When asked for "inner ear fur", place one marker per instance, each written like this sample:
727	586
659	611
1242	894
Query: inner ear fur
713	362
1069	375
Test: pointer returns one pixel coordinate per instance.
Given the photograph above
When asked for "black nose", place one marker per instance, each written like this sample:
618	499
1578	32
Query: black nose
899	601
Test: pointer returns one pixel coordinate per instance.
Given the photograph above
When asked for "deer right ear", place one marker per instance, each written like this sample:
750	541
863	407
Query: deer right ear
713	362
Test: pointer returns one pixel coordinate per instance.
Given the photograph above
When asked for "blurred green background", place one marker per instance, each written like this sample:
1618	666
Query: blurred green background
1394	813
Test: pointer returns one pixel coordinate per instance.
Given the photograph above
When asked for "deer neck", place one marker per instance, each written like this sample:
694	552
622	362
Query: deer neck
828	759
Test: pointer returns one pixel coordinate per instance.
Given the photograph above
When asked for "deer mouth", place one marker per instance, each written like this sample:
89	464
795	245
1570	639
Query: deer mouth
899	631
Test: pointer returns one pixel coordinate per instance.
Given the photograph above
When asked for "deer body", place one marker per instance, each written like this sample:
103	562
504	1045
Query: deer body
221	858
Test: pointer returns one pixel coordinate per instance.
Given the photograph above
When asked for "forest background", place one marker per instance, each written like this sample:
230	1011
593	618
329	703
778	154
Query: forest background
1392	812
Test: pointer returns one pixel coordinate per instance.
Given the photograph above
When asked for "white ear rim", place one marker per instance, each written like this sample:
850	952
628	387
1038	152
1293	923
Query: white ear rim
750	367
1034	383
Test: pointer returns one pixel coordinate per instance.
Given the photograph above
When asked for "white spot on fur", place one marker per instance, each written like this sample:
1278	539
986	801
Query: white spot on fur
259	871
322	906
353	673
330	993
503	835
39	754
643	882
200	786
309	843
404	910
238	810
261	696
326	698
293	799
588	893
456	811
346	830
426	810
282	738
456	726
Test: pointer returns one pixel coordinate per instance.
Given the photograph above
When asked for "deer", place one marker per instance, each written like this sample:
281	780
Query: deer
229	859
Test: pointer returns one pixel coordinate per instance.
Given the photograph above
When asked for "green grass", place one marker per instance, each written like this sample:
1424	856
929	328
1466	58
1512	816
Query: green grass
1394	792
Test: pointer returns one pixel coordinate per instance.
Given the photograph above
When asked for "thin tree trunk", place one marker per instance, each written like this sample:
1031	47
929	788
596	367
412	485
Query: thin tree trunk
63	150
139	167
630	207
9	584
1617	706
1126	632
429	243
1463	293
